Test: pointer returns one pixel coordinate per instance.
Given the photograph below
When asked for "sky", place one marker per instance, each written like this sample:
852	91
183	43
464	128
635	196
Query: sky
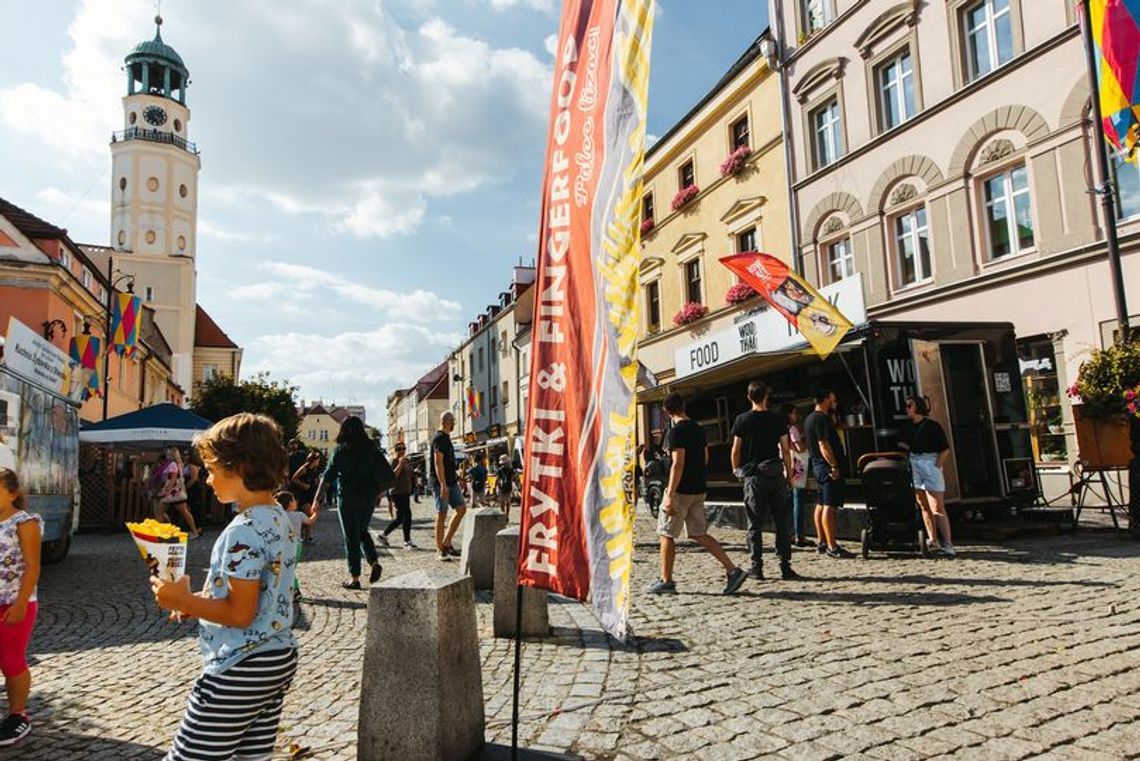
370	170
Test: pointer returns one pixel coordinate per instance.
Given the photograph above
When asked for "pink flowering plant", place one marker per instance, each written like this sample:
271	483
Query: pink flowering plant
1108	382
684	195
691	312
647	225
740	293
735	161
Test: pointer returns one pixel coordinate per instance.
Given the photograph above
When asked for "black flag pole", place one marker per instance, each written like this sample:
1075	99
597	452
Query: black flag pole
518	673
1104	191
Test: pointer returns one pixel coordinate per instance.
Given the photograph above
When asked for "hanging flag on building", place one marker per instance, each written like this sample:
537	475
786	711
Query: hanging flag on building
1115	28
126	314
577	516
472	402
813	316
84	352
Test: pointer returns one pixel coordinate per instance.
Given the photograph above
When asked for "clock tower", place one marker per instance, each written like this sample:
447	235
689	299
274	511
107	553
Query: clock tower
154	195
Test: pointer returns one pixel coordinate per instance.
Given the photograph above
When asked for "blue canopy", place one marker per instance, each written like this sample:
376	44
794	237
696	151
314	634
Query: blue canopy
150	428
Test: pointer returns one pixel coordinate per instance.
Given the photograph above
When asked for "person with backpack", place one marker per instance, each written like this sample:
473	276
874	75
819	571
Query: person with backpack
361	472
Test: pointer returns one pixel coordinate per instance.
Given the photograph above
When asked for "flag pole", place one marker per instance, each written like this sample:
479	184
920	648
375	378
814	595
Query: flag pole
518	673
1105	190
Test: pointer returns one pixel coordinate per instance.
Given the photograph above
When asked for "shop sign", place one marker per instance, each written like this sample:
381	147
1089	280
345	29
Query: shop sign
35	358
764	332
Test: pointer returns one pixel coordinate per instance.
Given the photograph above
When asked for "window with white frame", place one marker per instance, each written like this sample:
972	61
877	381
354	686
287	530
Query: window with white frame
1009	221
827	131
896	90
840	260
1127	181
693	281
746	240
209	372
85	278
817	14
653	305
988	30
740	133
65	259
912	246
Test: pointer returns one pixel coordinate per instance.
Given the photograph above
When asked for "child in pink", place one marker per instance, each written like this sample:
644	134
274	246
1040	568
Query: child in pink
19	572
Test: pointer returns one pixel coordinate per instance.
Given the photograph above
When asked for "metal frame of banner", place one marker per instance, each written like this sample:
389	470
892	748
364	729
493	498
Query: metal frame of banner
1105	190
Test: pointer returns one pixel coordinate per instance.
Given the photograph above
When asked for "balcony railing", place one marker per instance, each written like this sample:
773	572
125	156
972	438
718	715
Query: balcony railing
155	136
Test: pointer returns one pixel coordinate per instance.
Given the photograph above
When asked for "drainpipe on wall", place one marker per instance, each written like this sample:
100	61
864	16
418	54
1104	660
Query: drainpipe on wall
777	9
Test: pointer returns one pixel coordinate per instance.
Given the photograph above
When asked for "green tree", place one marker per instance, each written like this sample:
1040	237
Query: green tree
221	396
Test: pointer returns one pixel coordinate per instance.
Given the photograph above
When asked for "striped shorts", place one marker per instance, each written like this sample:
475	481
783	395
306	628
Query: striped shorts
235	714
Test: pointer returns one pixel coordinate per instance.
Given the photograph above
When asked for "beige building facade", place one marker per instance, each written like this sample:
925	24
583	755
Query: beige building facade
943	152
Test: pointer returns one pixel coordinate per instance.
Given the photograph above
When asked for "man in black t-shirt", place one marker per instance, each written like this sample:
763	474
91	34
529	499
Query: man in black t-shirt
445	487
762	456
826	458
683	505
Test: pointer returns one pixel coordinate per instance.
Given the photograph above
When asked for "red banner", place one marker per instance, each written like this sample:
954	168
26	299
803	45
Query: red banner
815	317
577	516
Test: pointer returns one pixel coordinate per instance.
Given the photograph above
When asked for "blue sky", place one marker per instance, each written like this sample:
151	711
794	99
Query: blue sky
370	170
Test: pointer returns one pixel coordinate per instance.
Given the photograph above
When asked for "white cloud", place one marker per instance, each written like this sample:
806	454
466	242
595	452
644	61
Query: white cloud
551	44
301	281
538	5
324	108
213	231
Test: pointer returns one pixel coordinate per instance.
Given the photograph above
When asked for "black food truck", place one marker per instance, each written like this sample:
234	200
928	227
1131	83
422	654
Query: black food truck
968	372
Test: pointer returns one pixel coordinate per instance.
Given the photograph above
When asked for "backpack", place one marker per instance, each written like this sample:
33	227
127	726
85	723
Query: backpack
382	474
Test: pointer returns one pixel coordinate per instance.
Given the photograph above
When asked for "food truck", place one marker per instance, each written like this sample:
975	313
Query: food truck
967	371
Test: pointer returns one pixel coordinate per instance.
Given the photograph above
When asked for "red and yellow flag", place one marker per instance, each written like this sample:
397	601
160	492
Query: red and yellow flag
84	352
813	316
577	517
126	313
1115	26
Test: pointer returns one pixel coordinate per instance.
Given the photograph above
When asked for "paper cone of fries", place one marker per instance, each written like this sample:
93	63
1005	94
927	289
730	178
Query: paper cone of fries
162	546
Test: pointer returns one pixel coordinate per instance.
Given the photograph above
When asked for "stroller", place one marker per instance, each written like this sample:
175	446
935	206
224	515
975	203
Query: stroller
893	521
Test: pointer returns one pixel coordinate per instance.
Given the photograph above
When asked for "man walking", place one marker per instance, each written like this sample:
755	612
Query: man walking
445	487
478	476
826	458
684	502
762	456
399	499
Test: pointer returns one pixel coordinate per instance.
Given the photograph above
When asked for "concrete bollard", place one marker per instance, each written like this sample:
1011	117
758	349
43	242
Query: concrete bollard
535	620
478	557
421	691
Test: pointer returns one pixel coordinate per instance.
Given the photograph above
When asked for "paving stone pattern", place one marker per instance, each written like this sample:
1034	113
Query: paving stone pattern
1016	651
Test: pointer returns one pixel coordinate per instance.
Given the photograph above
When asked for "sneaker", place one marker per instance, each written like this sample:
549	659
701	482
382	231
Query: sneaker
735	578
788	574
443	555
838	552
662	587
13	729
948	550
410	546
821	549
382	540
803	542
756	572
453	552
932	546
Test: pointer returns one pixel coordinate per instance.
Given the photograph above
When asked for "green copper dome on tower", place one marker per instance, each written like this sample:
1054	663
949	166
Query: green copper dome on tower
155	68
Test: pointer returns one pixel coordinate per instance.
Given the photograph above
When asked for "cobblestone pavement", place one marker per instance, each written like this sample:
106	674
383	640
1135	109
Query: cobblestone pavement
1015	651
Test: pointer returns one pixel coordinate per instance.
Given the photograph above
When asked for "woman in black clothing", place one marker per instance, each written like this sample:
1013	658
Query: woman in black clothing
353	464
303	484
929	450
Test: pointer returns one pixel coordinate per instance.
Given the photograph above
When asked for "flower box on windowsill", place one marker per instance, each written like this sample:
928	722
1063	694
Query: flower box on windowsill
647	225
735	161
684	195
690	313
740	293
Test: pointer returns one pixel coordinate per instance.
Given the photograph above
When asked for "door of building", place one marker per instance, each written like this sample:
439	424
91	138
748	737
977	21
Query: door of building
975	450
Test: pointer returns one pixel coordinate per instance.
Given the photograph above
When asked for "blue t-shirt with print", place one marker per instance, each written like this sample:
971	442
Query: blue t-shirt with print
258	544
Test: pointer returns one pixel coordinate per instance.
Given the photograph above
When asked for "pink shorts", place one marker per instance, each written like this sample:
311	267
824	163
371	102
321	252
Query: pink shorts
14	642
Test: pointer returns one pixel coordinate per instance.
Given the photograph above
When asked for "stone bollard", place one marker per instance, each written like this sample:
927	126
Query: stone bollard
478	558
535	621
421	691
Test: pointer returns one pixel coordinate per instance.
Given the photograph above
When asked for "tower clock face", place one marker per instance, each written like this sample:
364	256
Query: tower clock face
154	116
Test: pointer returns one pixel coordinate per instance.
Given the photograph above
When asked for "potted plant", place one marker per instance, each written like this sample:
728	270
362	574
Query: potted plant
647	225
1105	429
740	293
684	195
691	312
735	161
